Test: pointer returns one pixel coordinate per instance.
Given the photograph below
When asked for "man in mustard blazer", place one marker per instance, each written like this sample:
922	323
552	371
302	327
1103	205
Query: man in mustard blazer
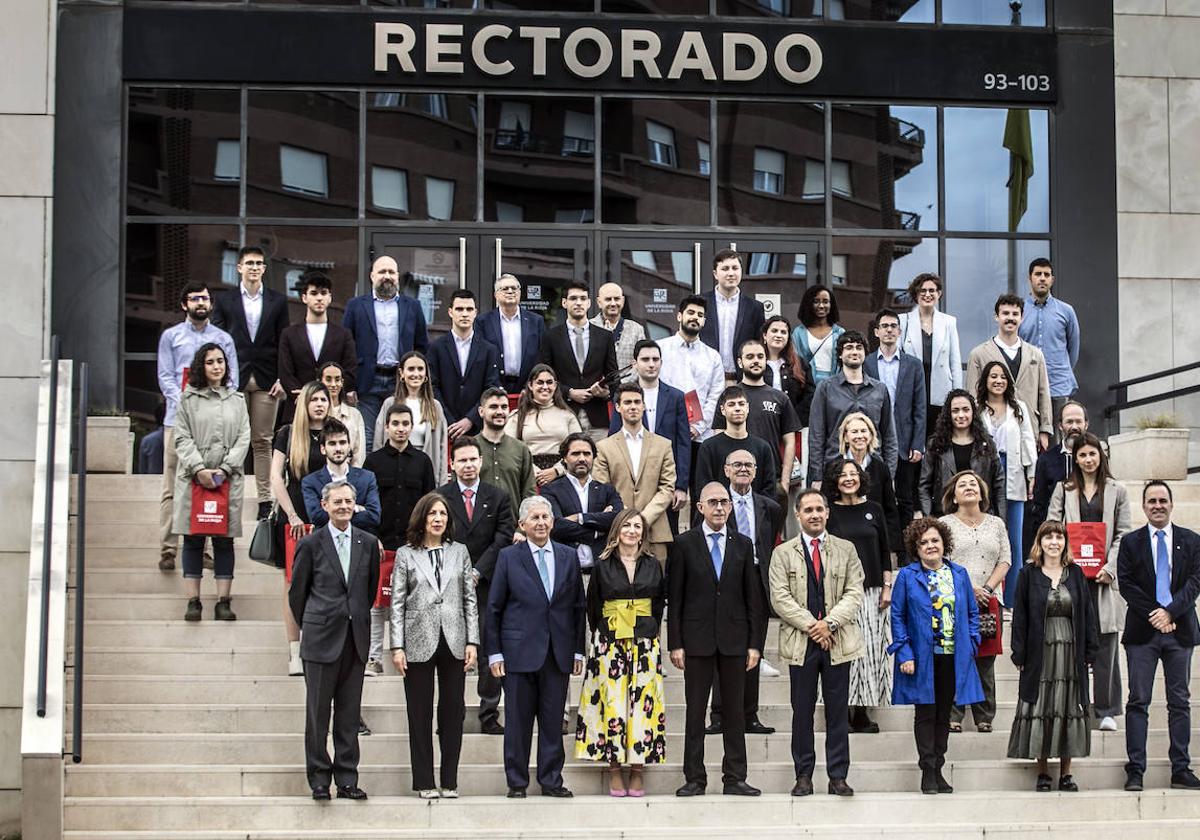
640	466
817	590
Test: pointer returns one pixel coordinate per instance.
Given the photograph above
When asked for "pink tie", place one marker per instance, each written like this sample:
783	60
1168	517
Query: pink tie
468	496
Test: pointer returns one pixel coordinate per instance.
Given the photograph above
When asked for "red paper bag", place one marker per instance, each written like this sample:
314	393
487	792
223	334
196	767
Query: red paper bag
289	548
1088	541
183	377
694	412
210	510
383	597
995	645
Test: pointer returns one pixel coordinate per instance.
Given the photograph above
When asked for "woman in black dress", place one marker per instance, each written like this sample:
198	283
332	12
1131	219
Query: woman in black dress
854	517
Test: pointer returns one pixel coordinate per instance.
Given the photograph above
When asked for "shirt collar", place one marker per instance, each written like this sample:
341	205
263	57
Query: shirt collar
335	530
737	293
819	538
582	485
515	319
534	548
378	299
996	338
247	294
461	341
883	357
474	488
1032	298
748	495
1167	529
708	532
335	472
641	433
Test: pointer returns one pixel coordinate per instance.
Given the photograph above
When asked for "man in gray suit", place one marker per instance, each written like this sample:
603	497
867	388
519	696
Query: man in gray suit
334	580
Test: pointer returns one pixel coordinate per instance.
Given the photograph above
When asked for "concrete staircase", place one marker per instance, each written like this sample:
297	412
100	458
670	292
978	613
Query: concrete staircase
192	731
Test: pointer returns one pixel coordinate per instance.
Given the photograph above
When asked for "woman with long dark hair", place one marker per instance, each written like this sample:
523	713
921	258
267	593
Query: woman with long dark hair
429	432
1090	494
1010	425
959	442
542	422
816	337
333	377
212	436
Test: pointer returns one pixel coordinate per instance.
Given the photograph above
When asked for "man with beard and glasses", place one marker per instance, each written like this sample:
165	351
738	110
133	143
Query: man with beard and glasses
385	325
176	349
584	509
1053	466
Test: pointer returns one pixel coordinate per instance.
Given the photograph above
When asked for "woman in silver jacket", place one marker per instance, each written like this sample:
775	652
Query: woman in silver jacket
1091	495
435	629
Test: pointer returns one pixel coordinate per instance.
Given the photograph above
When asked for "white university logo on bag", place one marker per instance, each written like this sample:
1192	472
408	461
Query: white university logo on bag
210	506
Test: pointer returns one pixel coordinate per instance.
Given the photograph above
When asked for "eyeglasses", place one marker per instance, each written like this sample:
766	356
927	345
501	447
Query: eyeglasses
717	503
889	326
742	465
198	298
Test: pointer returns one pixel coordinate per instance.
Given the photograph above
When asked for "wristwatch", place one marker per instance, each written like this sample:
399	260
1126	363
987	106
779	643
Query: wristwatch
832	624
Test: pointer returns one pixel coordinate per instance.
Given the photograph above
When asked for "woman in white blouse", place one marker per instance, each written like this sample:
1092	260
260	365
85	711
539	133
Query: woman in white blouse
331	375
429	419
1010	424
932	336
542	422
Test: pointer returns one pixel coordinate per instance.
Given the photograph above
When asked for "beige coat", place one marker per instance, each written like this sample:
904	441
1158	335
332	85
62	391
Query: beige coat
1064	507
1033	383
843	598
212	430
651	491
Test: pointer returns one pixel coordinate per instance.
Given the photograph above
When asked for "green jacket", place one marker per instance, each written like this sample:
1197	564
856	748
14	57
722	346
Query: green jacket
212	430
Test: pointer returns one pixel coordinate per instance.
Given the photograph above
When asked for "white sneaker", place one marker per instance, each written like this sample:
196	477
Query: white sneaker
429	794
766	669
1108	724
295	666
449	793
374	668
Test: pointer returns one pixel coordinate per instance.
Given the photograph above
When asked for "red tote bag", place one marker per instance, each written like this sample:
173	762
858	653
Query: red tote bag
1088	540
383	596
210	510
995	645
289	548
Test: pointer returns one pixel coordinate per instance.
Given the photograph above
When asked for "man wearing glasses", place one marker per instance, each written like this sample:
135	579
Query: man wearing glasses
176	349
517	332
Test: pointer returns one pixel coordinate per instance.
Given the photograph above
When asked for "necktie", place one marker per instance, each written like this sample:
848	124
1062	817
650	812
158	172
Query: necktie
816	558
1162	570
716	553
743	520
435	558
543	570
580	355
469	503
343	550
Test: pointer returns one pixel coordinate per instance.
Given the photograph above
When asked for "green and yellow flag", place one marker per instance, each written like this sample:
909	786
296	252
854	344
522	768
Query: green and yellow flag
1019	141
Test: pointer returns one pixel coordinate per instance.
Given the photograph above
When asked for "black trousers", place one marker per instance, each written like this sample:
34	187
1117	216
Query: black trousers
539	695
338	683
835	688
451	710
698	678
931	723
750	691
1177	671
488	687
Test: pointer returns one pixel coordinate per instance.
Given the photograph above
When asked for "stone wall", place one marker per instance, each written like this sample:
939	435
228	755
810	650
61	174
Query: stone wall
1158	194
26	176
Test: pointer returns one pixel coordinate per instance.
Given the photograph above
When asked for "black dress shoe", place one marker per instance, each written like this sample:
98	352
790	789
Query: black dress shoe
351	792
1068	784
363	729
1133	781
691	789
929	784
491	727
942	785
559	792
741	789
838	787
803	786
713	728
754	726
516	793
321	793
1043	783
1185	780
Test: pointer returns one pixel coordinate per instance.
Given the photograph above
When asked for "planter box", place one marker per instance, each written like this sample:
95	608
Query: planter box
1150	453
109	445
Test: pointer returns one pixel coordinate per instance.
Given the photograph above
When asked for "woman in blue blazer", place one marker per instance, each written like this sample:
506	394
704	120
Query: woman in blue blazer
935	633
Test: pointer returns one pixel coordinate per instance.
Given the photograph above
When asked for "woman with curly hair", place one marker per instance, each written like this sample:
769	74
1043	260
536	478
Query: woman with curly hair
935	633
959	442
542	422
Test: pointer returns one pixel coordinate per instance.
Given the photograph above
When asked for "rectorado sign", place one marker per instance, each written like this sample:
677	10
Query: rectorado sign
587	54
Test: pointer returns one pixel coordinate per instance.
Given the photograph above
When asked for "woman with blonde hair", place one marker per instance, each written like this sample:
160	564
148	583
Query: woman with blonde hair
428	434
1054	638
542	422
858	441
622	710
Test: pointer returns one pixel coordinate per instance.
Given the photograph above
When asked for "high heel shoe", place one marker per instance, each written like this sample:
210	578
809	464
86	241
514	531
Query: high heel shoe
616	778
639	792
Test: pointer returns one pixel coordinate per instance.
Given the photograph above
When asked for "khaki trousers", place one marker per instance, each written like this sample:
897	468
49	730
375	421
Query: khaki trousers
262	408
170	542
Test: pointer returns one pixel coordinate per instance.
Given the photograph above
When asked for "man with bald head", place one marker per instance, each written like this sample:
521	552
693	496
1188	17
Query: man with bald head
626	332
385	325
715	627
516	331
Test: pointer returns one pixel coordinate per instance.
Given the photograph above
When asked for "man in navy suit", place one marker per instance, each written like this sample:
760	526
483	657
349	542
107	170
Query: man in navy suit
462	365
732	316
517	332
335	446
385	325
904	377
255	317
584	509
584	357
1159	570
534	641
666	416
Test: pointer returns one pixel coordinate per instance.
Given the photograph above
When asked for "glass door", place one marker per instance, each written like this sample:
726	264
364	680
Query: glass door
775	271
656	272
544	264
432	266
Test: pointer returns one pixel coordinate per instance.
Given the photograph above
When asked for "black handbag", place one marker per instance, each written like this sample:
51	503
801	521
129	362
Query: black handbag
262	544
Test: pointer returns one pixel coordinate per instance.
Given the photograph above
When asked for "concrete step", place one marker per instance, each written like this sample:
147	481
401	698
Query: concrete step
249	578
882	811
156	607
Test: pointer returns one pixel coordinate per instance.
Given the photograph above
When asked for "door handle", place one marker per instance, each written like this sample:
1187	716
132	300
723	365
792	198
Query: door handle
499	250
462	262
696	268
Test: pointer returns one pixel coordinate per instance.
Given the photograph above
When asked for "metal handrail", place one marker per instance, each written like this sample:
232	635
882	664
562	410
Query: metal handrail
44	623
1152	376
80	546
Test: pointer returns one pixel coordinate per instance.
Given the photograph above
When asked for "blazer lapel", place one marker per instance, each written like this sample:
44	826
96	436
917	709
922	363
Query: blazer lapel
332	556
425	566
560	569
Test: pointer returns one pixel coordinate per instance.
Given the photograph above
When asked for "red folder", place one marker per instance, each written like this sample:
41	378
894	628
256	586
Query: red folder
694	412
993	646
383	597
1088	541
210	510
289	548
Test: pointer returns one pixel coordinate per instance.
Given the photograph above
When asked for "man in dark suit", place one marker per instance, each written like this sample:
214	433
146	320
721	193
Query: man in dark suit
584	358
584	509
904	377
759	518
517	332
535	642
483	521
385	325
334	580
335	446
1159	570
255	317
733	317
303	348
714	629
462	365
